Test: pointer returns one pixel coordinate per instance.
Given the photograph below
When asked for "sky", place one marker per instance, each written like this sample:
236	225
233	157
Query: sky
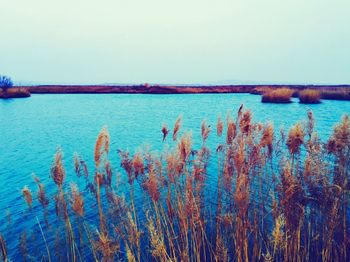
175	42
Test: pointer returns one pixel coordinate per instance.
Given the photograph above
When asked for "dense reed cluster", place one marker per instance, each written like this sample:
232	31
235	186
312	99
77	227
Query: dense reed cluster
274	196
279	95
309	96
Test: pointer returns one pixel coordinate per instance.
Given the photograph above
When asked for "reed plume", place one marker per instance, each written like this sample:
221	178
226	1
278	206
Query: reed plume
80	167
127	164
295	138
184	147
165	132
339	142
41	194
101	146
177	127
205	130
27	196
151	185
245	122
77	200
219	126
267	138
57	170
231	131
138	164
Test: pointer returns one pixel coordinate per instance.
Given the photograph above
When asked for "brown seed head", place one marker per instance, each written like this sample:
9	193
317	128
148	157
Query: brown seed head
231	131
295	138
184	147
165	131
27	196
43	200
205	130
138	164
245	123
152	186
267	137
101	146
57	170
339	142
219	126
77	201
177	127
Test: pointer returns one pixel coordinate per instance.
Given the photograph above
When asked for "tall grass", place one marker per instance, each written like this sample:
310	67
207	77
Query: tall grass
278	197
279	95
309	96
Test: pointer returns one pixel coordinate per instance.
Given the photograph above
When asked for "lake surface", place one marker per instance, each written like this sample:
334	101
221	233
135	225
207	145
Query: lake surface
32	129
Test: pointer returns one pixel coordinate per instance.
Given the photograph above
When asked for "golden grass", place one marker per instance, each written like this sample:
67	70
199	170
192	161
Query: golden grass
309	96
279	95
277	199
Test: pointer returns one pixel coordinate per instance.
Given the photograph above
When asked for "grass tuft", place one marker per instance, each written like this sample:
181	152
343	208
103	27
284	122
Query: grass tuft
279	95
310	96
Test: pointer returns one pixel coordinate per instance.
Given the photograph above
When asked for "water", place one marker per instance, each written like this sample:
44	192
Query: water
32	129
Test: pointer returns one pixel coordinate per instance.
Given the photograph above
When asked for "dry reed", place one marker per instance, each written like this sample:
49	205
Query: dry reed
276	199
27	196
309	96
177	127
280	95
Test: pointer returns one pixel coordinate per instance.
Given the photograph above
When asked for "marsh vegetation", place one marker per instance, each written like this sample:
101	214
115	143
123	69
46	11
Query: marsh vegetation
280	196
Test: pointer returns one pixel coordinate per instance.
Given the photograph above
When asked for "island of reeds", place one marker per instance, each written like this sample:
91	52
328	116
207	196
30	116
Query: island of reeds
278	196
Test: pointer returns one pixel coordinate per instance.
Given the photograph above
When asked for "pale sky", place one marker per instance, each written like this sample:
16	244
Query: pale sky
179	41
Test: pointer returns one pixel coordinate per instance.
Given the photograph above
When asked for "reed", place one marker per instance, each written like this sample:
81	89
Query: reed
279	95
336	94
3	248
177	127
27	196
309	96
276	198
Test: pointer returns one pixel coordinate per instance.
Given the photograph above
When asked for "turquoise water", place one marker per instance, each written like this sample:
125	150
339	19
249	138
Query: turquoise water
32	129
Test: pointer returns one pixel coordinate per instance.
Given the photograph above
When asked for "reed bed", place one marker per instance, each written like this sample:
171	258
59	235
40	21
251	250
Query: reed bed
343	94
279	197
279	95
309	96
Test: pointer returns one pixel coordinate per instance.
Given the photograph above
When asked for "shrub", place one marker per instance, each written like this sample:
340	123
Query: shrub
280	95
309	96
5	83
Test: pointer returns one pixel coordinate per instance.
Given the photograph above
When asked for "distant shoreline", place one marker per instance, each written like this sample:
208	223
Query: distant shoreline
165	89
